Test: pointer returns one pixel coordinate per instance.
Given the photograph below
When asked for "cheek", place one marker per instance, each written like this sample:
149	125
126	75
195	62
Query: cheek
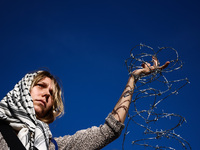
34	91
49	105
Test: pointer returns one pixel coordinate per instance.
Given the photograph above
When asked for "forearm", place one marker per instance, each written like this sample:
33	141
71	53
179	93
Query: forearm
91	138
121	108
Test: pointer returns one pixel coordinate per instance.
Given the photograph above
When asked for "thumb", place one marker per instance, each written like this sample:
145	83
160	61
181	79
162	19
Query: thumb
165	65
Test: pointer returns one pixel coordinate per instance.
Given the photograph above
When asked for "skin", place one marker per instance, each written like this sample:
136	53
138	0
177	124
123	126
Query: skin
41	94
43	101
121	108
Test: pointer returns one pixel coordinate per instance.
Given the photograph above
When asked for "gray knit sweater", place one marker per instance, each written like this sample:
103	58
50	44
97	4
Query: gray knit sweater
93	138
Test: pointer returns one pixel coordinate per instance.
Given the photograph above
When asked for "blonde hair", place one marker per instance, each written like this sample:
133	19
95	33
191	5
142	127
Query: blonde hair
58	108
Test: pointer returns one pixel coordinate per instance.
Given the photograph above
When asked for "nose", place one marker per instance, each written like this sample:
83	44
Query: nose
46	94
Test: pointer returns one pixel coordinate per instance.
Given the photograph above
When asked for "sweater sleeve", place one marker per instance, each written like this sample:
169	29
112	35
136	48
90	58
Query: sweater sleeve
3	143
93	138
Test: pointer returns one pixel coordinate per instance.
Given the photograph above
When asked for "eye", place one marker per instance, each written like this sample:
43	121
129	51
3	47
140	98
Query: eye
40	85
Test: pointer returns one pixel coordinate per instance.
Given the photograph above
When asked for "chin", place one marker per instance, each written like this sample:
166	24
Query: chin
39	111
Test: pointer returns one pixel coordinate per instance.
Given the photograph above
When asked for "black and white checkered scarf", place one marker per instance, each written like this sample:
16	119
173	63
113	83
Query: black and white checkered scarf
17	109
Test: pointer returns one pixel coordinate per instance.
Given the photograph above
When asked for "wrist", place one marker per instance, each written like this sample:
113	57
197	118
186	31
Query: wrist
135	76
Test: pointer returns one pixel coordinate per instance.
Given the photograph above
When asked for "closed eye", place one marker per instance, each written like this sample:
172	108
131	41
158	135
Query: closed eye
40	85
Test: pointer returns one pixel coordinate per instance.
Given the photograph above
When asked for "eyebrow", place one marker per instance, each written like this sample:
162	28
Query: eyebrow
46	84
43	83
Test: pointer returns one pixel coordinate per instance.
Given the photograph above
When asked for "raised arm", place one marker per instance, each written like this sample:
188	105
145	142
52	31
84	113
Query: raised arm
121	108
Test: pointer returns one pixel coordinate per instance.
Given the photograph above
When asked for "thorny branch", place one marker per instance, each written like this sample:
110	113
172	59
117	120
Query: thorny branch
145	89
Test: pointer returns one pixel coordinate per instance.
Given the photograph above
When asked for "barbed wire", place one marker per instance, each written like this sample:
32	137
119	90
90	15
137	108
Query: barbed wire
154	88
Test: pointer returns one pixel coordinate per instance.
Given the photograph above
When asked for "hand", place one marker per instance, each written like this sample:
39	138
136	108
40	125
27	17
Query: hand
148	68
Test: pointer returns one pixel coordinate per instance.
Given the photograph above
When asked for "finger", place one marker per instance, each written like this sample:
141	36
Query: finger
146	65
165	65
155	61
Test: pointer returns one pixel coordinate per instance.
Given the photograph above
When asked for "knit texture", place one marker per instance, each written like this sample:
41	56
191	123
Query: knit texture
94	138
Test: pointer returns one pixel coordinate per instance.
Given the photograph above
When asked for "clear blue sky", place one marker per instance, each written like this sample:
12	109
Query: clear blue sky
85	44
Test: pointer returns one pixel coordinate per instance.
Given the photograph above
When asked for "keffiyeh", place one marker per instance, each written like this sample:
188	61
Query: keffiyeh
17	109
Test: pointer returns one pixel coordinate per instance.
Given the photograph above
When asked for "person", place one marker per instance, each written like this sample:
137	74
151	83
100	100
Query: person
36	101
